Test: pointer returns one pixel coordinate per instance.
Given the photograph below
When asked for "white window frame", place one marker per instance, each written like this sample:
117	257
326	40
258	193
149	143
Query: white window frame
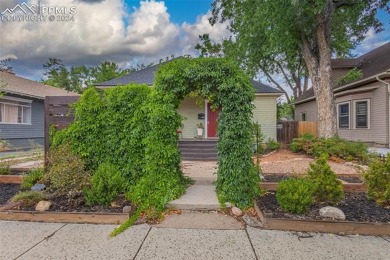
368	114
3	101
349	115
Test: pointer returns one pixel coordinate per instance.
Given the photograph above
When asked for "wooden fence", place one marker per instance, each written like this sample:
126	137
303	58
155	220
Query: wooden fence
58	114
288	130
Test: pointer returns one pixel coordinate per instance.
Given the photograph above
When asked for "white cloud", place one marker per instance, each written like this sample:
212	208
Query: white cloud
371	42
103	30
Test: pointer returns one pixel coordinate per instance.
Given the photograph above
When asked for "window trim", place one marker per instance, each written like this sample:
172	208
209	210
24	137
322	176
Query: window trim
368	114
349	115
303	113
3	101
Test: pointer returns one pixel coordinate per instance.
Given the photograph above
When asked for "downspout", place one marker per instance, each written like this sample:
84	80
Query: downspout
388	105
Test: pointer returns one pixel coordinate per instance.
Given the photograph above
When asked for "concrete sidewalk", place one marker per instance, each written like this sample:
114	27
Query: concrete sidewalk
28	240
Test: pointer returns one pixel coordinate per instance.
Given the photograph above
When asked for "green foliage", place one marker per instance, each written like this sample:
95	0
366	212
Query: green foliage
335	147
272	145
66	173
32	178
5	169
295	195
28	198
352	75
377	180
327	188
107	183
225	85
258	137
111	126
285	109
127	224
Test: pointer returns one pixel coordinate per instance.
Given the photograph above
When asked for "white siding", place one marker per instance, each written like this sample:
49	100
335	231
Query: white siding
190	110
265	114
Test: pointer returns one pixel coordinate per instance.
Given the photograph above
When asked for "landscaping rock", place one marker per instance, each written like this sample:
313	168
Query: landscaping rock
43	205
38	187
332	212
126	209
236	211
252	222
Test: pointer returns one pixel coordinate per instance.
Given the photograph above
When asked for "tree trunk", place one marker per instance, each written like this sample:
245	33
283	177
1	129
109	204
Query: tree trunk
320	73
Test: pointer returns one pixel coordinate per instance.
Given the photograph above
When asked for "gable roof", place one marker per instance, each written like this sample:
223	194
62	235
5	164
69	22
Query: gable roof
371	64
147	76
13	84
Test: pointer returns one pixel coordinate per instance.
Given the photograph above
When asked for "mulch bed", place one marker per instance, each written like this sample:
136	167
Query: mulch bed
7	191
62	204
356	207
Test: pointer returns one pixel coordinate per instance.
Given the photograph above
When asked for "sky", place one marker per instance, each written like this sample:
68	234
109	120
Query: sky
127	32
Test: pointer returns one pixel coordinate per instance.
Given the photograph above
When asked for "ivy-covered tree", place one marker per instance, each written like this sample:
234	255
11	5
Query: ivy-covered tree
315	28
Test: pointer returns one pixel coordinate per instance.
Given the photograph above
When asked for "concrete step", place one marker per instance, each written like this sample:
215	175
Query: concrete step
197	197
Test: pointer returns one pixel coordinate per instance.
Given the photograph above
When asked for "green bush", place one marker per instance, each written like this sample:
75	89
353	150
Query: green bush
5	170
327	188
28	198
335	146
272	145
32	178
107	183
258	138
377	180
295	195
66	172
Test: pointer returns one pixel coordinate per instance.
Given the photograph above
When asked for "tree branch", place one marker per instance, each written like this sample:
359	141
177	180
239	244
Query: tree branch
278	86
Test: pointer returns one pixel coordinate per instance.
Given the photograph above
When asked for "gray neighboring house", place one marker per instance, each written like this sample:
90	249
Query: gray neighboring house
264	112
363	106
22	109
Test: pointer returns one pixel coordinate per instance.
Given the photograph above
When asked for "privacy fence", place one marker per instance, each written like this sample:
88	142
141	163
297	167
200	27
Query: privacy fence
288	130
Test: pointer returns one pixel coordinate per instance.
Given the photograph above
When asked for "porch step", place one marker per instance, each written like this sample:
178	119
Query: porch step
198	150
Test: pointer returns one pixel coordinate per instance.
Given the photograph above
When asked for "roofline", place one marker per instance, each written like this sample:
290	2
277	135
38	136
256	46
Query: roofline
22	94
386	73
276	94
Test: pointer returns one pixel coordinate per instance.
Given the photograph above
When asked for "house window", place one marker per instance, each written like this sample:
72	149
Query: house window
362	114
303	116
15	112
343	115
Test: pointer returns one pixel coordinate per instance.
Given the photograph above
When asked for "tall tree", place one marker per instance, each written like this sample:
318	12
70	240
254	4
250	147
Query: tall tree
106	71
315	28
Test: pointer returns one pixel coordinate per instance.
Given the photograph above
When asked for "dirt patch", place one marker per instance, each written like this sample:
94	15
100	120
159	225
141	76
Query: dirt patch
355	206
7	191
287	162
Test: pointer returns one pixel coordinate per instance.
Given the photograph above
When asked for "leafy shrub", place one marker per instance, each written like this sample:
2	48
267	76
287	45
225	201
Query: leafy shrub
377	180
258	138
335	146
327	188
272	144
5	170
295	195
28	198
66	173
106	184
32	178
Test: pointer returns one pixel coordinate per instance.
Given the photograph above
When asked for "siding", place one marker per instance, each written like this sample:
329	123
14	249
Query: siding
35	130
379	117
310	108
265	114
190	110
378	132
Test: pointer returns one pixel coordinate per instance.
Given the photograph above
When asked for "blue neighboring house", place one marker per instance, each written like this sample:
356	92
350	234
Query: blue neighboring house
22	109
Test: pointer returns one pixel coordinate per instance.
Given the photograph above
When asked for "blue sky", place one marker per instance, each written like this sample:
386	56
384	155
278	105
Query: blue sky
127	32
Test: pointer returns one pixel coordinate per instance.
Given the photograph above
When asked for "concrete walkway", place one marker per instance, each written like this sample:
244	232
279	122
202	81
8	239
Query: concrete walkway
202	194
28	240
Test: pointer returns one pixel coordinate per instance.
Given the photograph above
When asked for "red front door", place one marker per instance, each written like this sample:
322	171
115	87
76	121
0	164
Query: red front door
212	121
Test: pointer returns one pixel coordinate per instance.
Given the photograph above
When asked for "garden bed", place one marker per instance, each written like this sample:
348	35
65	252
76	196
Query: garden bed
363	216
351	187
7	191
11	179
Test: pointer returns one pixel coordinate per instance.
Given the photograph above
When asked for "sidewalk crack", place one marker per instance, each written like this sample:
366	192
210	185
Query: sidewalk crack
250	241
143	241
45	238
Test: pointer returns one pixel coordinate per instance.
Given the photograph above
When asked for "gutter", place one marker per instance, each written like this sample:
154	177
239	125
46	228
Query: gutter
388	105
